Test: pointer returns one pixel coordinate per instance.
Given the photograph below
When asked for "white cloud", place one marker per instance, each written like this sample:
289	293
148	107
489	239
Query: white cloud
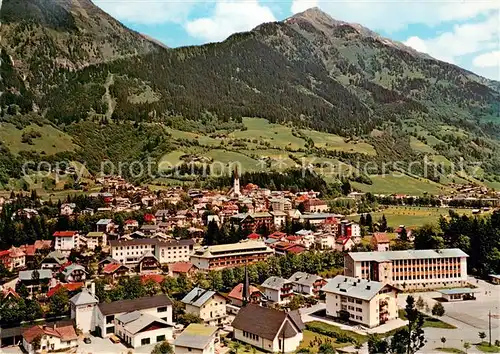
464	39
396	15
228	18
488	60
149	12
302	5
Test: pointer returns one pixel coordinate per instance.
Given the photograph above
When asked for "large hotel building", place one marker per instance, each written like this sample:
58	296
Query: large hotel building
412	269
230	255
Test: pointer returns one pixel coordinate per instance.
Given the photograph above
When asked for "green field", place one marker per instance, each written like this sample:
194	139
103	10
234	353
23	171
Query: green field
335	142
201	138
401	184
412	216
276	135
485	348
225	159
419	146
50	142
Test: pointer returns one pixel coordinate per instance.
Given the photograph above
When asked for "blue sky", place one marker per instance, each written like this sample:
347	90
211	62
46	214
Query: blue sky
463	32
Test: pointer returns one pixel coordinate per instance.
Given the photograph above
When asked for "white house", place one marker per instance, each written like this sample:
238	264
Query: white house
74	273
307	284
367	302
95	239
277	289
44	338
209	305
196	339
83	307
279	218
268	329
65	241
137	329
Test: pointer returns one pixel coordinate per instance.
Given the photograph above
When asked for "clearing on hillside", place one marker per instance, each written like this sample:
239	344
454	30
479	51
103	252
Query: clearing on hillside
336	142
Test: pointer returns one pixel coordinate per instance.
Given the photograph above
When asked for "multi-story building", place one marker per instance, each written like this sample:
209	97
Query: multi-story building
370	303
65	241
307	284
315	206
130	252
277	290
105	225
95	239
253	222
350	229
230	255
412	269
209	305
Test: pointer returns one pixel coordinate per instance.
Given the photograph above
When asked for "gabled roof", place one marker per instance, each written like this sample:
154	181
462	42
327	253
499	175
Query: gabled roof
198	297
157	278
266	322
28	274
72	267
64	233
304	278
197	336
135	321
95	234
142	303
275	283
381	237
83	298
181	267
66	333
237	292
68	287
113	267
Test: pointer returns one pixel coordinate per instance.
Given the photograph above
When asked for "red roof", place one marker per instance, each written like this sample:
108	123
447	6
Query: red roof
343	240
331	221
9	291
149	217
29	250
296	249
157	278
66	333
131	222
277	235
64	233
237	292
181	267
293	238
381	237
254	236
40	244
4	253
70	287
111	268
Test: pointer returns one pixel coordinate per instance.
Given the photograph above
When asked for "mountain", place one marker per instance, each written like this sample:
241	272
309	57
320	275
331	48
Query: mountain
308	72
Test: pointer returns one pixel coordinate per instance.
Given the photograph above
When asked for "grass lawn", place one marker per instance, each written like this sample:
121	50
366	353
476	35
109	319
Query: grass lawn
239	347
450	350
51	140
312	339
171	159
336	142
322	326
401	184
485	348
277	135
429	322
226	158
412	216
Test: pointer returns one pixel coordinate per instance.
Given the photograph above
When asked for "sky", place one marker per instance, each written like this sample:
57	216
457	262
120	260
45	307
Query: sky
461	32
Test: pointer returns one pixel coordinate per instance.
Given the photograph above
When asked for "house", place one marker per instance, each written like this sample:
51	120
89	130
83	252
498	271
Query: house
72	288
235	296
54	260
344	243
253	221
17	258
268	329
284	248
74	273
148	263
324	241
9	294
149	219
380	241
367	302
67	209
279	218
177	269
315	206
96	239
278	290
42	338
209	305
65	241
105	225
5	259
36	281
196	339
350	229
138	328
115	270
307	284
130	225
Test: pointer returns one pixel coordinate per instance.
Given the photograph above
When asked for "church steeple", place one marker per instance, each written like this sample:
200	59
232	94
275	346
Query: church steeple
236	182
246	288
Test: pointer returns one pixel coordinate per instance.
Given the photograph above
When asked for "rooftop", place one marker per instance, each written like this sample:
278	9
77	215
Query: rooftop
198	296
275	283
196	336
409	254
355	287
458	291
142	303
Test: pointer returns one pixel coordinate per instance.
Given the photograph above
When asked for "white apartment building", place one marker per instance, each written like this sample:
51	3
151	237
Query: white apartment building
411	269
277	289
65	241
129	252
95	239
369	303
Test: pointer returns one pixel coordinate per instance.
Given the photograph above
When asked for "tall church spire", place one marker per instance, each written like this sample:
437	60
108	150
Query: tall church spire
236	182
246	288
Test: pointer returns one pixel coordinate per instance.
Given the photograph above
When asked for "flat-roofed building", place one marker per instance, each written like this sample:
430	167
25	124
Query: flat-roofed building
411	269
230	255
370	303
130	252
196	339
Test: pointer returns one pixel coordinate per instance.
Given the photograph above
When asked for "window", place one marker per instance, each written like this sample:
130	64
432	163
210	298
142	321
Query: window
145	341
110	330
162	309
160	338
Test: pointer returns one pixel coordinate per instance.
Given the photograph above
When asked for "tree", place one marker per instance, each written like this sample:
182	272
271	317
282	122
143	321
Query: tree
466	346
189	318
411	338
383	224
438	309
443	340
163	348
369	222
420	303
59	302
344	315
482	335
37	341
326	348
377	345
